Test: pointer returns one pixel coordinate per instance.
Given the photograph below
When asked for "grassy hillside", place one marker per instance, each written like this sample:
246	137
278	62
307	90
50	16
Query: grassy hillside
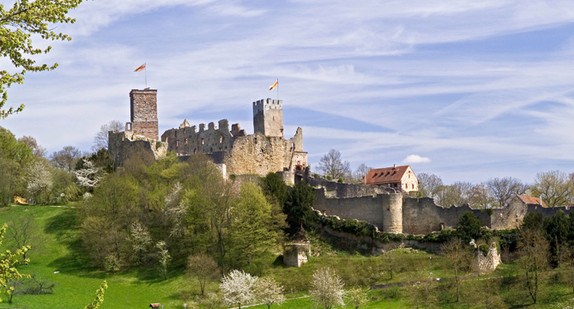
57	257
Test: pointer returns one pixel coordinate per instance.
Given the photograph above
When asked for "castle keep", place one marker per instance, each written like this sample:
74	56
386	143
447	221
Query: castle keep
235	152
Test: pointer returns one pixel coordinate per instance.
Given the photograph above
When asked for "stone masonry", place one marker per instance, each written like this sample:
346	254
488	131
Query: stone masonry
258	154
234	152
143	116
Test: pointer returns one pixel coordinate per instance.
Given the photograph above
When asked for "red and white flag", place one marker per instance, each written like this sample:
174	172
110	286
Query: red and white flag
275	84
140	68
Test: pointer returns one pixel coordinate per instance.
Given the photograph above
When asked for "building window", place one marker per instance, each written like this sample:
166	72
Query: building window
185	141
221	139
202	141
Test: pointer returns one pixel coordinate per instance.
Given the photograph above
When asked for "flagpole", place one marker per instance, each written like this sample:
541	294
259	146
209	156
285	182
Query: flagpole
145	73
277	89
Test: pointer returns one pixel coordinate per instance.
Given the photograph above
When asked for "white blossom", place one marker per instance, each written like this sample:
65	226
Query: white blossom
89	176
238	288
327	288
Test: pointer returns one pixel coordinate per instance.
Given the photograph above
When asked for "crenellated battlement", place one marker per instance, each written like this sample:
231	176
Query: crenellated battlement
237	152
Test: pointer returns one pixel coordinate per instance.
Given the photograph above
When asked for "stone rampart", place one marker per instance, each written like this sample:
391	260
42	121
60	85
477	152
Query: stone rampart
365	208
422	215
347	190
394	212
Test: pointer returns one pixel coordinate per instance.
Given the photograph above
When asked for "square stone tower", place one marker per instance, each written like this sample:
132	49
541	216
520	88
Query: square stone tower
143	112
268	117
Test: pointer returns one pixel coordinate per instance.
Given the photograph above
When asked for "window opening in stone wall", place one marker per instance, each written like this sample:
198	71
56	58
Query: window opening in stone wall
220	139
176	143
185	141
202	141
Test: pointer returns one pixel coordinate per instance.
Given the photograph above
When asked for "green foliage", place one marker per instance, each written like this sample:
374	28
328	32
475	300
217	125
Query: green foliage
533	221
275	188
298	206
18	24
99	296
8	262
251	230
468	227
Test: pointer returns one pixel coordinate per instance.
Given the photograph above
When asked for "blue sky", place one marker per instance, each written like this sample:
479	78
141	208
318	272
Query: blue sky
467	90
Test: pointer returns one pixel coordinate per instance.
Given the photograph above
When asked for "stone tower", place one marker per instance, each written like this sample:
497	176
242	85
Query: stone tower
143	113
268	117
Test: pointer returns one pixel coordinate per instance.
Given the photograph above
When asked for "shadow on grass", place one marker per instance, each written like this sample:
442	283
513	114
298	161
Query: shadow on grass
64	226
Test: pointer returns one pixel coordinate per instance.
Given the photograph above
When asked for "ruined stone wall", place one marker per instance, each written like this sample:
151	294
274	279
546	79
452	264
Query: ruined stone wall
143	113
422	215
343	190
395	213
122	145
365	208
547	211
258	154
508	217
187	141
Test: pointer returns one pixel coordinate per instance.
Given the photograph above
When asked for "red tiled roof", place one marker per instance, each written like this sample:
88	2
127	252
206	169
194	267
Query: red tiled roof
531	200
386	175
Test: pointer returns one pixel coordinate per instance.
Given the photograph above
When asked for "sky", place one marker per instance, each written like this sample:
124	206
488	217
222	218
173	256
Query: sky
466	90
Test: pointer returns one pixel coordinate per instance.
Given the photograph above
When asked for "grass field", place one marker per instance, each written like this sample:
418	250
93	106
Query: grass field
53	258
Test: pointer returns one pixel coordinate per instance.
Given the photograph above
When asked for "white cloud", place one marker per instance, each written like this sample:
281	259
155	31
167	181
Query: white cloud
411	159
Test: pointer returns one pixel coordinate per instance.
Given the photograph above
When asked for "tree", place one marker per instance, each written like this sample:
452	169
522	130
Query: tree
38	150
361	172
238	288
327	288
89	175
23	232
203	267
453	195
504	189
298	206
479	197
468	227
101	138
66	158
429	185
163	258
141	242
99	296
8	262
356	297
459	258
269	292
333	167
251	232
557	230
533	258
554	187
27	19
40	182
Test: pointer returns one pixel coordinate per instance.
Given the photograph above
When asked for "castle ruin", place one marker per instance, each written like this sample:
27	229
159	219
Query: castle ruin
232	150
266	150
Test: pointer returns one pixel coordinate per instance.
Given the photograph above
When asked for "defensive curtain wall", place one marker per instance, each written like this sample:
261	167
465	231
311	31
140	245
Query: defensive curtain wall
395	212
